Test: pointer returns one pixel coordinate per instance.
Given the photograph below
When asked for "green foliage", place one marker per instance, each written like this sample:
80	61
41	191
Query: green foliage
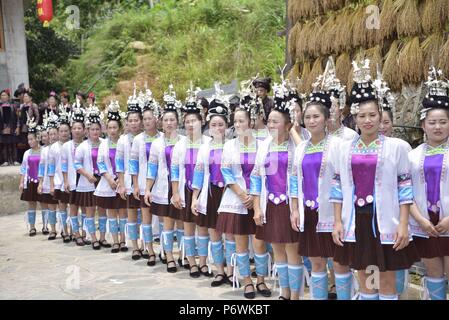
198	40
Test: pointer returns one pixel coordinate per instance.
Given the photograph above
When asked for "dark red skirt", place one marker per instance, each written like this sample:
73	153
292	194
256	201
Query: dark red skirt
186	213
432	247
166	210
312	243
132	203
111	202
83	199
277	228
142	202
368	250
62	196
209	220
30	193
47	198
233	223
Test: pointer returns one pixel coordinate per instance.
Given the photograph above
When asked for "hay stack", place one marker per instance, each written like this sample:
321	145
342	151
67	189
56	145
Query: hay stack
411	62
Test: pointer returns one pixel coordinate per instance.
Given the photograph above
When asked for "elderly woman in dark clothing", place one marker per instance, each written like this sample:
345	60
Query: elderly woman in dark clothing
8	123
28	107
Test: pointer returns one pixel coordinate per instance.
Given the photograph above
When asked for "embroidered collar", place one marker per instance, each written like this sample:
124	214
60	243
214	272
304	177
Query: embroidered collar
441	149
360	146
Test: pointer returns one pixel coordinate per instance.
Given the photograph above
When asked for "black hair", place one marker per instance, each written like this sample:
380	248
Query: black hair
390	114
437	108
218	115
321	107
118	122
134	112
173	112
197	116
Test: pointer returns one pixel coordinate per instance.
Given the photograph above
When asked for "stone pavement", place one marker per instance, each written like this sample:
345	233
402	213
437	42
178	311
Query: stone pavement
35	268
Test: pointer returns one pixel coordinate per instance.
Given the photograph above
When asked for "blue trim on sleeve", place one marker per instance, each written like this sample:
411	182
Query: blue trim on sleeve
133	167
64	167
405	195
336	194
255	185
152	170
228	177
102	167
51	169
198	178
78	165
294	186
119	165
174	172
41	171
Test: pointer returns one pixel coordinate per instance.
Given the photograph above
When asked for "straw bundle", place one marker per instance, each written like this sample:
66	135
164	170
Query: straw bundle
343	68
408	20
304	76
411	62
388	16
375	57
292	38
434	15
343	31
317	69
327	34
390	71
431	47
302	39
359	30
444	60
329	5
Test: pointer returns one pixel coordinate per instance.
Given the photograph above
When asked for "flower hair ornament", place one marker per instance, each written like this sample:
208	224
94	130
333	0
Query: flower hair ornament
171	104
92	116
219	106
31	124
363	89
149	103
385	97
249	101
134	104
437	92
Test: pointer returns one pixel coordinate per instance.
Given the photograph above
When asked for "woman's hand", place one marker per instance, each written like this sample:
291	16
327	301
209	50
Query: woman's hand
113	184
443	226
122	191
258	217
176	200
91	178
194	206
401	237
428	227
338	233
21	187
39	188
136	193
148	198
294	220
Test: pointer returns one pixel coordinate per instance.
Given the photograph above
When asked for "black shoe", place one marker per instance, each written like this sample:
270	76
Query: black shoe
264	292
136	255
96	245
195	274
229	281
123	247
251	294
283	298
222	280
331	295
32	232
206	273
253	274
45	231
145	254
52	236
66	239
171	269
186	263
151	262
86	242
115	248
251	260
163	260
105	244
157	240
79	242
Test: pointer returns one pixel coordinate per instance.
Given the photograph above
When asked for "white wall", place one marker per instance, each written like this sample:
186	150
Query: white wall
13	61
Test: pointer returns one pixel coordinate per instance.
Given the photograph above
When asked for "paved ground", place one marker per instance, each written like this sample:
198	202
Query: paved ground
35	268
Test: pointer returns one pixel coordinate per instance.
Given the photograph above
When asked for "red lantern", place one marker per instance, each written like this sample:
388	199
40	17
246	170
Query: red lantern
45	11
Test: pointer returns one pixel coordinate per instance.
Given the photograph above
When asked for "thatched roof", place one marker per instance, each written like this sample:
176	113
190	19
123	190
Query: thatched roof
411	34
